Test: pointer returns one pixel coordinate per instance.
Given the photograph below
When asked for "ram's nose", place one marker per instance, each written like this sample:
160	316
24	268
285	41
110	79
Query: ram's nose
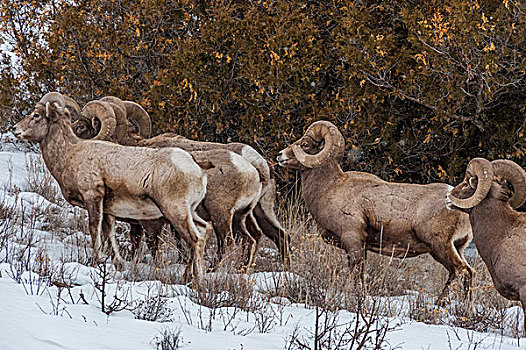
14	130
282	158
279	157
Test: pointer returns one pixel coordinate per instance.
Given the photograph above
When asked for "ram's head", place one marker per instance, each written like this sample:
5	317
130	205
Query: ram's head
321	143
36	126
131	120
489	179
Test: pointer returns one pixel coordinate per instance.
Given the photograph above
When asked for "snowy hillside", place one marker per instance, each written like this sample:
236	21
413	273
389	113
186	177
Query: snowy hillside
50	298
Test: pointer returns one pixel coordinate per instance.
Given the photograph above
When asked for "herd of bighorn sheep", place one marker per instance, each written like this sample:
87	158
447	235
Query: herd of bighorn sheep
104	161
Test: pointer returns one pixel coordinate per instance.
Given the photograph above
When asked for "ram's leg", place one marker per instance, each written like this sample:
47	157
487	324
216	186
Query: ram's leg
152	232
197	258
95	215
354	245
249	242
469	273
202	229
255	233
182	220
270	228
332	239
448	256
221	217
108	229
136	236
362	268
222	223
266	203
181	249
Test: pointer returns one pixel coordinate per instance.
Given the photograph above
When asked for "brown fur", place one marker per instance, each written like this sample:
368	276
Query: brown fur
110	180
499	233
264	213
231	195
360	211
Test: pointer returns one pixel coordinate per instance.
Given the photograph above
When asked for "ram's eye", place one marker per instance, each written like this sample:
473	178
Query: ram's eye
304	145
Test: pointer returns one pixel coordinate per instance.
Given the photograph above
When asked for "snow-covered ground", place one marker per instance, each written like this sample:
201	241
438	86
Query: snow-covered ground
34	316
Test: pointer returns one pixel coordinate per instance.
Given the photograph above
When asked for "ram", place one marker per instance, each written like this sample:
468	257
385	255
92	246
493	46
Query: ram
85	122
359	211
499	232
265	222
110	180
232	191
233	187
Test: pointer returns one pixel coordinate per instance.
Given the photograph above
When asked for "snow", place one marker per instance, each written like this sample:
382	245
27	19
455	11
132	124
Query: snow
33	317
86	327
6	49
12	169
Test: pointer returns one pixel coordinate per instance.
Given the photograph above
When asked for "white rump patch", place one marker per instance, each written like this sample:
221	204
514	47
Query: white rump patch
254	157
244	201
184	161
241	164
201	190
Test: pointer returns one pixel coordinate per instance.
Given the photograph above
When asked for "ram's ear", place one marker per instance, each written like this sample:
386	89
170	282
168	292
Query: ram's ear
52	110
473	182
95	123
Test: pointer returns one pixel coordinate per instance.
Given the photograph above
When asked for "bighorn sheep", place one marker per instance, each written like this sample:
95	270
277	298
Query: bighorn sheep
85	122
266	220
499	232
264	214
233	187
110	180
88	126
359	211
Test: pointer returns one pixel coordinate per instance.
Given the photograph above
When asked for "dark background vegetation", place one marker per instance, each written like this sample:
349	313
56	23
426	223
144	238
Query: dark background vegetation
416	87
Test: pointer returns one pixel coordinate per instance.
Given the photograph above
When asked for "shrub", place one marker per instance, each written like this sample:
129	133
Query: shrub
415	87
167	339
152	308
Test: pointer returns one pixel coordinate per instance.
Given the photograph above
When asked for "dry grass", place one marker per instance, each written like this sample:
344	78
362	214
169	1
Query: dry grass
321	277
39	180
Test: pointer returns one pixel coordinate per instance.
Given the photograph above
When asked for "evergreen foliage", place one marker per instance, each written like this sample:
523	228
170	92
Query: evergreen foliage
416	87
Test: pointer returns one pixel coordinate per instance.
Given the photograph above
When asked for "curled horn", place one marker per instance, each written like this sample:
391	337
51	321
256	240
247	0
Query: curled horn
513	173
483	170
334	144
102	111
73	107
114	100
139	118
53	97
121	128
